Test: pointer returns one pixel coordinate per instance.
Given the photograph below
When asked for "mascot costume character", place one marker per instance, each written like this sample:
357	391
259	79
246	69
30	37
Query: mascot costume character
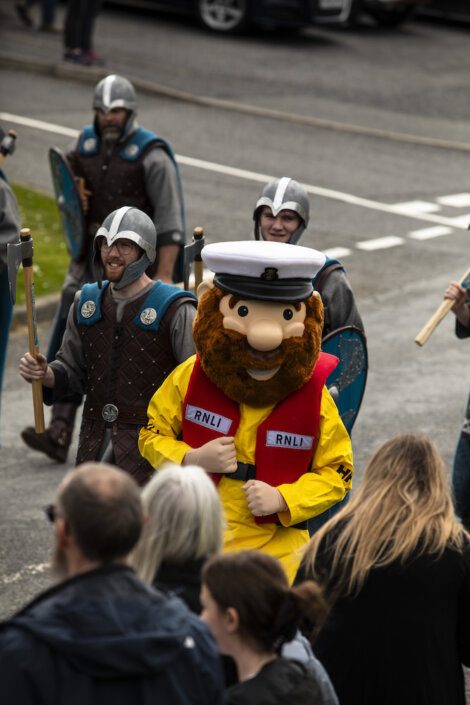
251	407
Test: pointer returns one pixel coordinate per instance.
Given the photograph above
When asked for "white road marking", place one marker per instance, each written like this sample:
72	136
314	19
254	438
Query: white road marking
337	252
428	233
39	125
380	243
456	200
417	207
417	210
462	221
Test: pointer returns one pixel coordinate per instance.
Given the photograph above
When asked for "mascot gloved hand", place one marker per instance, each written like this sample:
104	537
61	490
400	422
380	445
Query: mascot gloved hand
252	407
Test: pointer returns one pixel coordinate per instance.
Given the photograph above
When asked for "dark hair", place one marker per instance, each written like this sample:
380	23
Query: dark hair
255	584
103	510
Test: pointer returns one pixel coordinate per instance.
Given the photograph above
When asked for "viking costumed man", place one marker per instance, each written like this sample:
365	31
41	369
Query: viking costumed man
121	164
282	214
123	336
251	407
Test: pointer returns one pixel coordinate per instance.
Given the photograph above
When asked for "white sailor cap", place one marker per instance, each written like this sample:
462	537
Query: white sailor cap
270	271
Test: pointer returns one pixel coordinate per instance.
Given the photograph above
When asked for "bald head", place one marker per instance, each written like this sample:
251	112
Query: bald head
102	508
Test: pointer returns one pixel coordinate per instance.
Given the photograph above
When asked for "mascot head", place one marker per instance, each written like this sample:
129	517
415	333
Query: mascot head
259	324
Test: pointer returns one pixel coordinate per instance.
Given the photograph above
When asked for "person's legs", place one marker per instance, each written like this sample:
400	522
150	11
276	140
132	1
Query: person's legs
461	473
48	15
72	27
89	18
23	9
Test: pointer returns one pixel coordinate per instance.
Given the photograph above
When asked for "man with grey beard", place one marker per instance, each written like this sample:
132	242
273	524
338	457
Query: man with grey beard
101	635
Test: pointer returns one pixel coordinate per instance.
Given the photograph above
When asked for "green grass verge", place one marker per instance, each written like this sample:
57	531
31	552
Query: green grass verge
39	213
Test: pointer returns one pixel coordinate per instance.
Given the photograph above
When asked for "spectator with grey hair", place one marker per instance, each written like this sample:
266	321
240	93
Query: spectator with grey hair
101	634
184	526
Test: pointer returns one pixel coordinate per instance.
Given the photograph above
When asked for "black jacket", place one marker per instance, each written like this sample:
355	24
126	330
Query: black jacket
106	637
280	682
183	580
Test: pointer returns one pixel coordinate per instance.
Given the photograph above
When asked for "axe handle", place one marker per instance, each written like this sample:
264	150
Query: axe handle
33	346
198	273
427	330
198	234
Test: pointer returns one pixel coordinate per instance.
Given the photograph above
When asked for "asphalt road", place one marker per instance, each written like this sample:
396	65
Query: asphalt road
364	189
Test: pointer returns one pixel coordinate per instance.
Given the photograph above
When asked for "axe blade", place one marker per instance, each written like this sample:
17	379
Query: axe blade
189	254
16	252
192	253
7	145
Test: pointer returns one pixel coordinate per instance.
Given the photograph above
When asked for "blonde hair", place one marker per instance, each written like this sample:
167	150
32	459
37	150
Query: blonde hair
403	507
184	520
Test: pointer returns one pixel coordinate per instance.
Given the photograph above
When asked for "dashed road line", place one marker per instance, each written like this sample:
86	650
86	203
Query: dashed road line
424	211
380	243
417	208
337	252
429	233
455	200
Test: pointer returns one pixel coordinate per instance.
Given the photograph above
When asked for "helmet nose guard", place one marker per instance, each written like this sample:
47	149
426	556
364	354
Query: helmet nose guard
130	224
284	194
114	92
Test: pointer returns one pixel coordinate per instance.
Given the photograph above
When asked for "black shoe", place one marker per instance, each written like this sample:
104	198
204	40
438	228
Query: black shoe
44	443
23	13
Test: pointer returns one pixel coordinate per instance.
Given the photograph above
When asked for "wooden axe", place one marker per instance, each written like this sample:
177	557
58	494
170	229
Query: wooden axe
7	145
22	253
426	332
192	254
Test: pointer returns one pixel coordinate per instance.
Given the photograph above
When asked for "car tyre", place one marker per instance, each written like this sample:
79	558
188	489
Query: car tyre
351	19
389	16
225	16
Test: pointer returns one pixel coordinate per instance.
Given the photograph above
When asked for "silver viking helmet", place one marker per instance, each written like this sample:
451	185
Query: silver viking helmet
130	224
116	92
282	194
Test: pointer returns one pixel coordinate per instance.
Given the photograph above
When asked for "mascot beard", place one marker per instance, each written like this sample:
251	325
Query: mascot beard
226	354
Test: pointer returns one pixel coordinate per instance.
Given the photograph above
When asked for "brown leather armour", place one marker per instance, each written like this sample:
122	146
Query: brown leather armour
125	365
112	181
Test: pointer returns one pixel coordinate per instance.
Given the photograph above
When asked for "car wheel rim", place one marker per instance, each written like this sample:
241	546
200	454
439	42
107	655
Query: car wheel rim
222	14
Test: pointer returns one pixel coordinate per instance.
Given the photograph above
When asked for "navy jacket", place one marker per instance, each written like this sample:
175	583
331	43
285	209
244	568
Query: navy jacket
106	637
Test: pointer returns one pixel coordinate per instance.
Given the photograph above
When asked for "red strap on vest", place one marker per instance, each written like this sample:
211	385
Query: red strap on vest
286	440
204	396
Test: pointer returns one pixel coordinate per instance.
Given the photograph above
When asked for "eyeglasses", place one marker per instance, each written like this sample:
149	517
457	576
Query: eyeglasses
51	512
124	247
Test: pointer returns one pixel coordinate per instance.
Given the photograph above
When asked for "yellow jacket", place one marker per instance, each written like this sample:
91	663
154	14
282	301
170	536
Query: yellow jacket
311	494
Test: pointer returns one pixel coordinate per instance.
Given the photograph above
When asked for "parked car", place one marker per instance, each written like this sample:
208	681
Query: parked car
230	16
387	13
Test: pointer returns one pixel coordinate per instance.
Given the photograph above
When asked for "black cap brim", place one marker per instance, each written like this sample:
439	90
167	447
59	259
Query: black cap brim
288	290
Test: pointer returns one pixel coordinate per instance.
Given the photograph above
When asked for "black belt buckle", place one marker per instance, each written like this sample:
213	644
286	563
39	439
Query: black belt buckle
244	471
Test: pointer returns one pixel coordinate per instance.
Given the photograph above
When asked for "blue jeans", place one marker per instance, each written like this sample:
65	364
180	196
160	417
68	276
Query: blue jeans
461	473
